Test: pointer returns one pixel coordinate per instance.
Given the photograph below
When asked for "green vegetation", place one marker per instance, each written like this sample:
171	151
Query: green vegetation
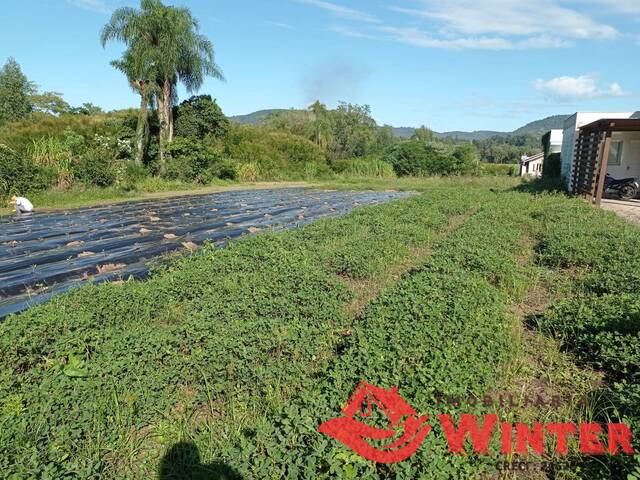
601	324
367	167
418	158
240	353
163	48
499	169
78	152
57	147
15	93
507	149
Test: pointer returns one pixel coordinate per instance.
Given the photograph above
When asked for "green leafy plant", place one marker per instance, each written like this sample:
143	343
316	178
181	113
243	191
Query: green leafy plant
363	167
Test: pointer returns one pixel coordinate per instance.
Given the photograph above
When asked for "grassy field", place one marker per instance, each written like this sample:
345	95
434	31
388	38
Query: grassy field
223	364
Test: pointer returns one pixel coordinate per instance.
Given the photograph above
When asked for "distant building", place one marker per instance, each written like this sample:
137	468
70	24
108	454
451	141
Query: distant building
531	166
552	142
622	149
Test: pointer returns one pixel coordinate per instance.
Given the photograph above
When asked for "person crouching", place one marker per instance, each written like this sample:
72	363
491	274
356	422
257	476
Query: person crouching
21	204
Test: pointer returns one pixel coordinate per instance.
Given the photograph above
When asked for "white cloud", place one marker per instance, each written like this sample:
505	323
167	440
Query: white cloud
510	18
418	38
93	5
487	25
572	88
544	41
350	32
619	6
615	90
278	24
342	11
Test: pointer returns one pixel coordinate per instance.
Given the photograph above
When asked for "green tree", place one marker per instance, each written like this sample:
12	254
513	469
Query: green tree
354	131
431	158
200	116
384	140
138	68
15	93
167	37
467	155
49	102
87	108
423	134
321	125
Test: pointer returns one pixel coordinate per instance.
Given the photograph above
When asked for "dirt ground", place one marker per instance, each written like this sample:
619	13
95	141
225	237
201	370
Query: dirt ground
629	209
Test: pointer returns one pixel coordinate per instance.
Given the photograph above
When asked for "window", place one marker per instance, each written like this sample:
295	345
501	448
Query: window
615	153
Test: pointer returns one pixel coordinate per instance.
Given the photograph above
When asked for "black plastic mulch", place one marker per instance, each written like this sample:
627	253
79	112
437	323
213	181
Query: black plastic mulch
45	254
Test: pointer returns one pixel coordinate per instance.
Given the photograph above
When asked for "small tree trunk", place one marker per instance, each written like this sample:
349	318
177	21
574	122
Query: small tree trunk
142	130
164	109
170	115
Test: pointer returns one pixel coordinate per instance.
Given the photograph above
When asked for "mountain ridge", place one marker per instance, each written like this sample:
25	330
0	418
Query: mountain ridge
536	127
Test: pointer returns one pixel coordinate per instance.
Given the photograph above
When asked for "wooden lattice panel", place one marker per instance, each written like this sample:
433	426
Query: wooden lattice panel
586	164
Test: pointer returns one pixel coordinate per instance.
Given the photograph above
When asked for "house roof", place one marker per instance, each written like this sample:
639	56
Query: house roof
613	125
533	158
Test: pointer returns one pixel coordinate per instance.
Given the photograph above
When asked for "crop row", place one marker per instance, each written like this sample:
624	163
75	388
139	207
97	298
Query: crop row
600	326
442	330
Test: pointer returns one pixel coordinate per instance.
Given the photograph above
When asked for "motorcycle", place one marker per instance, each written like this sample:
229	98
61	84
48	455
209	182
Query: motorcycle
626	188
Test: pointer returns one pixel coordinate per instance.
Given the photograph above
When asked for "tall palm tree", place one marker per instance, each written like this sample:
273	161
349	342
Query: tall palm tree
321	127
168	39
139	72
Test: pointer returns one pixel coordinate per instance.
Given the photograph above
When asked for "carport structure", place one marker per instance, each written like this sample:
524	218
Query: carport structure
594	147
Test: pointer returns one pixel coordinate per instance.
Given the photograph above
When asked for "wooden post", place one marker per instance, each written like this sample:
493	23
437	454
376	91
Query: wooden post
604	162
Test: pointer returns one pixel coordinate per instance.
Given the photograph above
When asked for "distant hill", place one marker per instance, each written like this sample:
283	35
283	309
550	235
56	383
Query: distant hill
475	135
540	127
255	118
537	128
403	132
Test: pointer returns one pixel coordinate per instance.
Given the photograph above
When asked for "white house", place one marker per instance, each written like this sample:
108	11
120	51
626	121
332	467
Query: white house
625	145
531	166
552	142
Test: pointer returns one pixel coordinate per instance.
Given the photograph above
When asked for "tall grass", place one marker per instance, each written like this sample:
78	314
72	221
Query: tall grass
369	167
21	135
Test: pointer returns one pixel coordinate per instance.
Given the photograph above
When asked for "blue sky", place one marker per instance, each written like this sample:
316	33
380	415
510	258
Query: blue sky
448	64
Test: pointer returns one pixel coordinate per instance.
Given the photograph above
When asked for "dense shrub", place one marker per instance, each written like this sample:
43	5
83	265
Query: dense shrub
507	149
193	160
21	135
132	175
277	155
200	116
422	159
363	167
223	170
95	167
498	169
19	175
248	172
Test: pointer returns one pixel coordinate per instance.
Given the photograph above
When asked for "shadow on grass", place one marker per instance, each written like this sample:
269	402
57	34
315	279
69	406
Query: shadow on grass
540	185
182	462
